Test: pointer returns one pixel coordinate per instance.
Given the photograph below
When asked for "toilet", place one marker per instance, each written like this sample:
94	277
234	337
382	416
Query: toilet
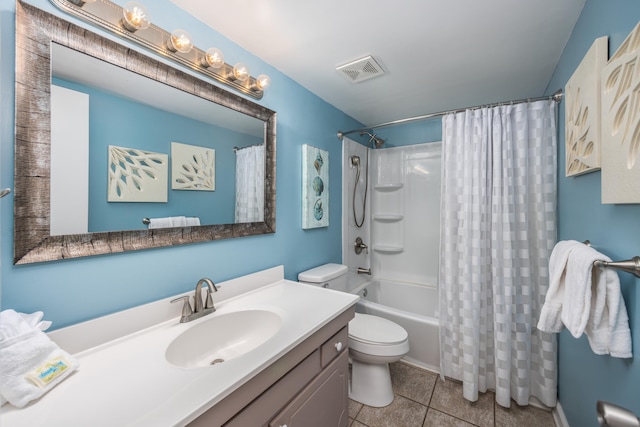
374	342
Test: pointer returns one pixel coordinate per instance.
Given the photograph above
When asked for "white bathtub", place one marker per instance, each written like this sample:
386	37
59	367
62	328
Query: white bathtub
414	307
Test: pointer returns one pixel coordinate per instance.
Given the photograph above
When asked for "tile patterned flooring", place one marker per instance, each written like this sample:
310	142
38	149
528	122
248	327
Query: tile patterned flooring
422	399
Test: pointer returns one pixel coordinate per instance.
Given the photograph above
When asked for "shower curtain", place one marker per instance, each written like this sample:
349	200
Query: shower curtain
250	184
498	227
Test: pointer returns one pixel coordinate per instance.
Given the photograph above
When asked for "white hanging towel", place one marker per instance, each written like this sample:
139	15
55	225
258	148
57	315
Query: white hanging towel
173	221
608	326
586	299
550	316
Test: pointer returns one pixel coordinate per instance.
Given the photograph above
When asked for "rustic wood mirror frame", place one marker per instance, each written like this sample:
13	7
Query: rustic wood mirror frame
35	31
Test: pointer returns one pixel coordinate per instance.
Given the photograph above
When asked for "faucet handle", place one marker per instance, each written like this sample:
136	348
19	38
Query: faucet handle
209	300
186	307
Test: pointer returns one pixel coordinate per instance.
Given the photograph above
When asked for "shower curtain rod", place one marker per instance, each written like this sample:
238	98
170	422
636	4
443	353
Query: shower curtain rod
235	149
557	96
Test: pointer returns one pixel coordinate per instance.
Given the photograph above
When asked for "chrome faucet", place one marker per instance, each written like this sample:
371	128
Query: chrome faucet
199	308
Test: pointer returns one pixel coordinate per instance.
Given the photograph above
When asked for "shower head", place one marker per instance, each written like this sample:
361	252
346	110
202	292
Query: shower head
355	161
377	142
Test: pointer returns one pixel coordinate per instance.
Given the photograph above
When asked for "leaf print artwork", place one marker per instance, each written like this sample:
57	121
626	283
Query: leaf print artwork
137	175
192	167
582	112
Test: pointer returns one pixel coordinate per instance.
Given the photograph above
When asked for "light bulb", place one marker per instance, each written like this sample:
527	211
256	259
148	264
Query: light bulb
136	16
212	58
180	41
263	82
240	72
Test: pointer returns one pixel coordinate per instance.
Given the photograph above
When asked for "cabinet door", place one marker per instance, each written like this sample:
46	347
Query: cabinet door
324	402
261	410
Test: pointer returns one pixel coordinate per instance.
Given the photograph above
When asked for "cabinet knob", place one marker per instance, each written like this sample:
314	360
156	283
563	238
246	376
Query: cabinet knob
338	346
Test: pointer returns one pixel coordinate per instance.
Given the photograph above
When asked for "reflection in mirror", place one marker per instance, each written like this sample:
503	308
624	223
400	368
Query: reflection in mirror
210	121
96	105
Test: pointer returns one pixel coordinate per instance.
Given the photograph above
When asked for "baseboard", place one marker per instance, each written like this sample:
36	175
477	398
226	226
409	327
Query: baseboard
558	416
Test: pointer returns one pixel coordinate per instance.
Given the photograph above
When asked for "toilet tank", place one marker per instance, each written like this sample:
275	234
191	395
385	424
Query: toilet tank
332	276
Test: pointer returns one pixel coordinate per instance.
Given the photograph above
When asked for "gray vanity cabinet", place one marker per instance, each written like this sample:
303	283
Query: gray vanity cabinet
307	387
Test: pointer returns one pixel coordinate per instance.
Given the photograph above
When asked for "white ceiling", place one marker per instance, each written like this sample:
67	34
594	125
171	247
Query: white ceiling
437	55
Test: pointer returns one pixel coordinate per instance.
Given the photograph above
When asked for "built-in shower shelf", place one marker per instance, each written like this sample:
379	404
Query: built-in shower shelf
388	249
388	217
388	187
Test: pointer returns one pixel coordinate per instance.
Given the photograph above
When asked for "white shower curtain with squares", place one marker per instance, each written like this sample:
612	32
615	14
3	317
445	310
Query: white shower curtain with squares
498	227
250	184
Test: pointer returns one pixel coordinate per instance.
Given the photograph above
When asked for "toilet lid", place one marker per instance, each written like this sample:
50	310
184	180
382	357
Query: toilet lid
376	330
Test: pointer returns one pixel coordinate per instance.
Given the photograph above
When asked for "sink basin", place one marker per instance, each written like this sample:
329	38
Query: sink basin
222	337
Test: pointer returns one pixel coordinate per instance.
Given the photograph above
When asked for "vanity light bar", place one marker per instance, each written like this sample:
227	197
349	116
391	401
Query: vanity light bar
110	16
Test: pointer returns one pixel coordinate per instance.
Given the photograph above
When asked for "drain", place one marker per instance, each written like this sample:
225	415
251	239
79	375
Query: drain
216	361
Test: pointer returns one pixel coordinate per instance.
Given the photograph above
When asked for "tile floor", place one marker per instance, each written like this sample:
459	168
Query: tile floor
422	399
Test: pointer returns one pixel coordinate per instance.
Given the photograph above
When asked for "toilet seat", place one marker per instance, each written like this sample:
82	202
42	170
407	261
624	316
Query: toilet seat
370	329
377	336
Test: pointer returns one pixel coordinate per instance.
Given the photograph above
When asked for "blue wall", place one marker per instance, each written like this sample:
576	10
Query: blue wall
585	378
75	290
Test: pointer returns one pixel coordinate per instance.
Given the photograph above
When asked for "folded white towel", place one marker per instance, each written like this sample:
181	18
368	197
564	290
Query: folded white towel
174	221
13	323
159	223
193	221
178	221
170	221
550	315
30	363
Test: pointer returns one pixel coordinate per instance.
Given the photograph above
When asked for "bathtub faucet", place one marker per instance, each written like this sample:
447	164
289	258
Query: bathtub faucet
364	271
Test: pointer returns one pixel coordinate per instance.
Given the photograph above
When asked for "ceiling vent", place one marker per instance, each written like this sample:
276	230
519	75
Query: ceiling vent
361	69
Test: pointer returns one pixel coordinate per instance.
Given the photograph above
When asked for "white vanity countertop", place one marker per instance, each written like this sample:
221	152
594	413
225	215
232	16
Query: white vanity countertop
128	382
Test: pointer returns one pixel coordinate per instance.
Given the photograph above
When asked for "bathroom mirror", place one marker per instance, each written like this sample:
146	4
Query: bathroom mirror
38	34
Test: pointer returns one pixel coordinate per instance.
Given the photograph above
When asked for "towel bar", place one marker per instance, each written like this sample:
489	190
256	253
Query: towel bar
629	266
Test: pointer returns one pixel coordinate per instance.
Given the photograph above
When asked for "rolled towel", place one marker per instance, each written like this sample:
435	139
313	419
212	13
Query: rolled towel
30	363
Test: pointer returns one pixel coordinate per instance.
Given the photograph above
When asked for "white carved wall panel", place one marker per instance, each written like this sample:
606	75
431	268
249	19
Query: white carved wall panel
192	167
582	112
137	175
621	123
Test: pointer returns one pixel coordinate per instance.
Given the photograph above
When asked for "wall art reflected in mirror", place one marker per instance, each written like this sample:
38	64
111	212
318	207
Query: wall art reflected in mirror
81	92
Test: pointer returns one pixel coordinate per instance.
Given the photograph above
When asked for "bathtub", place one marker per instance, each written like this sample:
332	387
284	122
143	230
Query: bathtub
412	306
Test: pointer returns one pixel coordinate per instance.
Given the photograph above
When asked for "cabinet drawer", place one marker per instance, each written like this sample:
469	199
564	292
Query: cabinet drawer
334	346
